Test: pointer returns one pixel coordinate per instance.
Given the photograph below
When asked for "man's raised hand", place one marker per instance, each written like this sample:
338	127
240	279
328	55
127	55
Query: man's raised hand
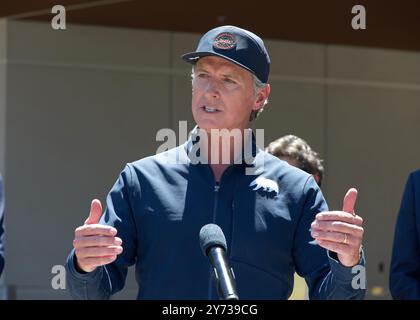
340	231
95	244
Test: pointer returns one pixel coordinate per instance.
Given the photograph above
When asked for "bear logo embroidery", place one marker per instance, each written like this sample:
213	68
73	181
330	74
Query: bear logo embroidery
266	184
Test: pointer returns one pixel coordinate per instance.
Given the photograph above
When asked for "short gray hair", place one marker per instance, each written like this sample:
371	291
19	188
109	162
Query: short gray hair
258	85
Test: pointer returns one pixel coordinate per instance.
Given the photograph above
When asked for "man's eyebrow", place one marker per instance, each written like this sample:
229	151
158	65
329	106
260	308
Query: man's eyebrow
227	74
201	68
231	75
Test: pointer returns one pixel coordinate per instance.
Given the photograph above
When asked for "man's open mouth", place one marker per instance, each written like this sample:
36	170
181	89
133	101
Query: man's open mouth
210	110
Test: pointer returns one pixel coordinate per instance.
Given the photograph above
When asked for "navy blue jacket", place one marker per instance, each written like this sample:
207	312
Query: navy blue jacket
1	227
405	264
159	209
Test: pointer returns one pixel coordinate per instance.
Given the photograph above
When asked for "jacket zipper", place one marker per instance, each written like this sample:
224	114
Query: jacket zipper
216	200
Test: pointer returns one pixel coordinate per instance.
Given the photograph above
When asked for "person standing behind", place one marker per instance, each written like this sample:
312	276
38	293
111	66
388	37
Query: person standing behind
404	281
297	152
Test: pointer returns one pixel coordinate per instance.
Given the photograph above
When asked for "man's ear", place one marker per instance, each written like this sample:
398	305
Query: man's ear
261	97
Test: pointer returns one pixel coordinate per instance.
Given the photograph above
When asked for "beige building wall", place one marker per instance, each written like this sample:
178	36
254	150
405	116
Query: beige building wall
84	101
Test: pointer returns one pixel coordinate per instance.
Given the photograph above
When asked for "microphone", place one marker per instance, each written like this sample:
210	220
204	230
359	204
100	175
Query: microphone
213	245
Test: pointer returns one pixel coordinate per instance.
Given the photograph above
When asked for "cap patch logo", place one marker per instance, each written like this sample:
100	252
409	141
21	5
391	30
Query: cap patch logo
224	41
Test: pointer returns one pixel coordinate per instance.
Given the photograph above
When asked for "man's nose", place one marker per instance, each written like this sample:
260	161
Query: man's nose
212	89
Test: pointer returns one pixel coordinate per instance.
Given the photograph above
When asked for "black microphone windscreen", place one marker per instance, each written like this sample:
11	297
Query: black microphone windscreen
211	235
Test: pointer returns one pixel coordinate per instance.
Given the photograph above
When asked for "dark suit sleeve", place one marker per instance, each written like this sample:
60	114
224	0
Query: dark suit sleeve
405	264
1	227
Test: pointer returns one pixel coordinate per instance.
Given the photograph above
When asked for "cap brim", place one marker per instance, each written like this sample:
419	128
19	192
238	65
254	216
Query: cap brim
192	57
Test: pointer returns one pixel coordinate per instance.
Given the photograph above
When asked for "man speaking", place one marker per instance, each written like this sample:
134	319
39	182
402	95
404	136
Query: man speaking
273	216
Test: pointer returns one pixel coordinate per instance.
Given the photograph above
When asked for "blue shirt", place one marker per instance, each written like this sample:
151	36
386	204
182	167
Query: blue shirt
159	209
405	264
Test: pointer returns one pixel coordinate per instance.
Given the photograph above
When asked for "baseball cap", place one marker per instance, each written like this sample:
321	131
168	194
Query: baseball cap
236	45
